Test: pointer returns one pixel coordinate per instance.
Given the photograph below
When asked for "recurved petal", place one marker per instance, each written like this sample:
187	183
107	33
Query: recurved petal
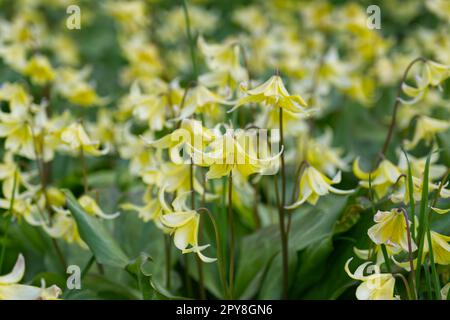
16	274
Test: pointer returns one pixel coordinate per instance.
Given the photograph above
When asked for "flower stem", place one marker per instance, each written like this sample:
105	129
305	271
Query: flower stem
281	215
435	277
8	221
190	39
423	221
167	251
411	263
84	169
386	258
231	232
201	281
387	141
220	261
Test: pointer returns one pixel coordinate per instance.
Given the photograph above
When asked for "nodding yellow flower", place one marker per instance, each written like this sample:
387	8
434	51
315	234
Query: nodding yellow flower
147	107
272	93
441	248
418	165
381	179
23	208
72	84
131	15
64	226
220	56
426	129
201	100
320	154
441	8
144	59
39	70
366	254
375	286
14	55
18	98
314	184
92	208
183	224
236	151
441	251
77	140
10	289
402	193
444	291
151	211
390	229
173	177
223	60
190	133
433	74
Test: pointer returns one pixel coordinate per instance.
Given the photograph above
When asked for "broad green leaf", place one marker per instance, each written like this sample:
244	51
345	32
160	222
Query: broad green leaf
96	236
309	225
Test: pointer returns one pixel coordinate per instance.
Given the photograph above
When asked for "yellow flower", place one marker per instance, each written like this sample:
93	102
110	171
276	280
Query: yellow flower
402	194
441	248
375	286
381	179
148	107
39	70
190	133
72	84
151	211
418	165
76	139
92	208
184	224
441	8
236	151
320	154
314	184
366	254
131	15
201	100
18	98
433	74
11	290
390	229
272	93
64	226
426	129
444	291
223	60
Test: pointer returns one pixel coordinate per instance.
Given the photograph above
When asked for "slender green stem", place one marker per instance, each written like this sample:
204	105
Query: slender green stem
298	175
190	39
405	283
281	215
220	260
412	205
396	105
167	252
386	258
434	274
201	281
422	218
84	169
427	280
411	262
232	234
8	220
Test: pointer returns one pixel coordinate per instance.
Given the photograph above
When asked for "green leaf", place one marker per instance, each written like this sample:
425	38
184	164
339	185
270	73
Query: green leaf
96	236
138	268
309	225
